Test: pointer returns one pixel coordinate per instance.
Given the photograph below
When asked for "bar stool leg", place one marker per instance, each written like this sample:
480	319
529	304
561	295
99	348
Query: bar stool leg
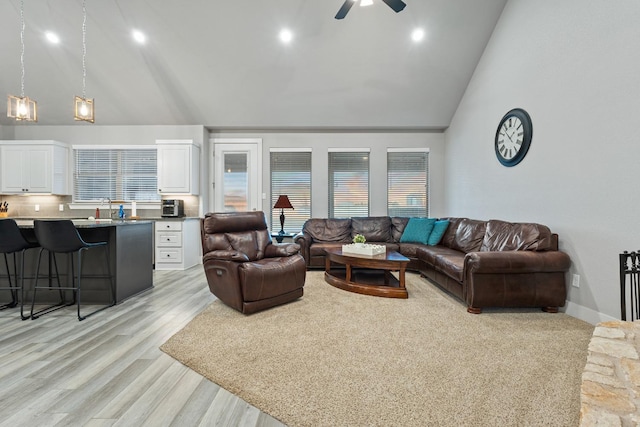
22	316
79	287
12	289
54	307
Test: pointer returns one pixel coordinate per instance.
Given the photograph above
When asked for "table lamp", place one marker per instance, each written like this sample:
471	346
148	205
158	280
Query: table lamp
282	203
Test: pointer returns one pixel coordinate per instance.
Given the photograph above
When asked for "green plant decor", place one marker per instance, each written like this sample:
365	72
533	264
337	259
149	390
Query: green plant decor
359	238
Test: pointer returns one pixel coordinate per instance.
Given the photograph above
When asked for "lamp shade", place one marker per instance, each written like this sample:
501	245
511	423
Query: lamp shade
283	203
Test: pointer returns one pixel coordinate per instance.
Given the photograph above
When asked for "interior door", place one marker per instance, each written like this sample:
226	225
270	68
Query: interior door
238	174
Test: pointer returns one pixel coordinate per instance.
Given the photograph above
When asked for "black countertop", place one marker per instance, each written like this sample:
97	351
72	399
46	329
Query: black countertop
88	223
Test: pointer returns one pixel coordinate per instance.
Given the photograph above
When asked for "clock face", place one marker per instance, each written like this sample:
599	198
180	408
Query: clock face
513	137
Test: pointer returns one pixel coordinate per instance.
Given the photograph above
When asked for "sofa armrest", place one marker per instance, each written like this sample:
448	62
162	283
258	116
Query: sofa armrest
225	256
281	250
304	240
516	262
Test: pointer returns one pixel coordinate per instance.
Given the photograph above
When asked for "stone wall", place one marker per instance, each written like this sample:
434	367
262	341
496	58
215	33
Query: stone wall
610	393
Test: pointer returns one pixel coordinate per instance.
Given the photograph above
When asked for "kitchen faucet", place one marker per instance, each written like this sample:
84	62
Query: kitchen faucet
110	210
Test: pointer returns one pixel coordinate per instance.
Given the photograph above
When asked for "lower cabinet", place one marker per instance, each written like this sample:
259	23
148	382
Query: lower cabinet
177	244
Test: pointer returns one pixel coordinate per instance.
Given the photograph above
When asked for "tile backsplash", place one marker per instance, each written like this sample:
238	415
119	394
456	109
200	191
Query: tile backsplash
49	207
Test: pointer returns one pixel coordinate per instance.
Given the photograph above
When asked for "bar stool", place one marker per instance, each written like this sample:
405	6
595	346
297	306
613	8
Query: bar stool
13	242
61	236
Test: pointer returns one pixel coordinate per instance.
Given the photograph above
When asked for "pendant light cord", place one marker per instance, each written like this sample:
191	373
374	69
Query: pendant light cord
84	48
22	44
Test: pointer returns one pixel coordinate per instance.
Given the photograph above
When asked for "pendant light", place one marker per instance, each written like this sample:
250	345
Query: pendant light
22	107
84	107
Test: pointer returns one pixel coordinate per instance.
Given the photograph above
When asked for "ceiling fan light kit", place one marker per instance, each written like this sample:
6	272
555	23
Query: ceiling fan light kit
396	5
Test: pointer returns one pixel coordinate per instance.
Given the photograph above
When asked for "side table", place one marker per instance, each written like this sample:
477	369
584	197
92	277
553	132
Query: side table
280	237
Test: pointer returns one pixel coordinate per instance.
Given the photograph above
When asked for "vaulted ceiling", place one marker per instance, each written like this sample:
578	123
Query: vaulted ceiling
221	63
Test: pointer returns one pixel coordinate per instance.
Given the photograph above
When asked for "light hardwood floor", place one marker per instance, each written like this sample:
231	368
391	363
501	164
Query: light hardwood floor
108	370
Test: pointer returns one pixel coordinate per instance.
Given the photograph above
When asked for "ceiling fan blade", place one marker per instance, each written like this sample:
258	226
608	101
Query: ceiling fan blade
396	5
344	9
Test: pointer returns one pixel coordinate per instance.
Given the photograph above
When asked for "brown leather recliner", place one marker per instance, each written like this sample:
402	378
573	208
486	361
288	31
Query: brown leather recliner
244	269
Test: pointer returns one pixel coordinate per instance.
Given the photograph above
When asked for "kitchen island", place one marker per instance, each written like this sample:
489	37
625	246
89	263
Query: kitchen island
130	245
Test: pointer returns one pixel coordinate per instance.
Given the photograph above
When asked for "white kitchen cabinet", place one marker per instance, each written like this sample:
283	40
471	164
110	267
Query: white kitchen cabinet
177	244
39	167
178	167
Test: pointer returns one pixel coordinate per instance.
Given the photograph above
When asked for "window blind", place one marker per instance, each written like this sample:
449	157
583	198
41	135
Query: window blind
348	184
119	174
291	175
407	184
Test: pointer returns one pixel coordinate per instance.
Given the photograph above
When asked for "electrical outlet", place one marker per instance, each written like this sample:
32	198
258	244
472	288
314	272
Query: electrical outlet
37	208
576	281
61	207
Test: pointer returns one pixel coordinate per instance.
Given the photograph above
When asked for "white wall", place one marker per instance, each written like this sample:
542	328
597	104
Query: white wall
378	142
118	135
6	132
574	66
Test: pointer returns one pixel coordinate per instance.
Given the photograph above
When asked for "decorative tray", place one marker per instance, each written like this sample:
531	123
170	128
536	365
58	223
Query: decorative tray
364	249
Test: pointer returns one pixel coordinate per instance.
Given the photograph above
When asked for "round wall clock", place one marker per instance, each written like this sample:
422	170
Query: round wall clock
513	137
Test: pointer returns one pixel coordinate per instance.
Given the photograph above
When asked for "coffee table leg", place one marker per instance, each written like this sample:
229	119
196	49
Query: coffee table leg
401	278
348	274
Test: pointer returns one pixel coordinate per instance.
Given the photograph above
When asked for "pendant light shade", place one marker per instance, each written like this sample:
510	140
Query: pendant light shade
84	110
22	107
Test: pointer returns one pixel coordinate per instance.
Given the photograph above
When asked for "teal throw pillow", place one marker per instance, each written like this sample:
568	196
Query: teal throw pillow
417	230
437	232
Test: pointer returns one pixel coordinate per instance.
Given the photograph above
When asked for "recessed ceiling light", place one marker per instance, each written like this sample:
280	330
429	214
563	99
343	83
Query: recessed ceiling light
286	36
417	35
139	36
52	37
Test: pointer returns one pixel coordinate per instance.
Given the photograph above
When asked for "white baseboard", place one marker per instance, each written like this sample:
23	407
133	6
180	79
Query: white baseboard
586	314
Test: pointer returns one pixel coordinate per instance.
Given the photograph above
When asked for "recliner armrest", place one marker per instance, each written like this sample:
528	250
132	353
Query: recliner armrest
226	256
281	249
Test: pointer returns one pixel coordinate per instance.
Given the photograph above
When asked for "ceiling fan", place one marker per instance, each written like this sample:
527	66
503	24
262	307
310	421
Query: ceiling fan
396	5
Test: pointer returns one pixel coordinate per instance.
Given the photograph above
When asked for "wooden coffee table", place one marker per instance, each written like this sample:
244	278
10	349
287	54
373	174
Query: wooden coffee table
369	275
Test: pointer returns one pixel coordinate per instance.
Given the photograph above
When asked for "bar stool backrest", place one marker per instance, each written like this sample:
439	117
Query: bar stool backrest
58	235
11	239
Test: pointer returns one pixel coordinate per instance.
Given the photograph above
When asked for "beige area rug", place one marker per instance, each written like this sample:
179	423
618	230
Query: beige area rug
335	358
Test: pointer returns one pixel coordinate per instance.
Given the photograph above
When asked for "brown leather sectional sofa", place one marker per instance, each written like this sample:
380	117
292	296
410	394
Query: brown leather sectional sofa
484	263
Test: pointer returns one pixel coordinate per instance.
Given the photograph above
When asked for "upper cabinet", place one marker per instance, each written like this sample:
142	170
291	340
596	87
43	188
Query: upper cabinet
178	167
40	167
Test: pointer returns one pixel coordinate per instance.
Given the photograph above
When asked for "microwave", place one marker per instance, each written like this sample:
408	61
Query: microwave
172	208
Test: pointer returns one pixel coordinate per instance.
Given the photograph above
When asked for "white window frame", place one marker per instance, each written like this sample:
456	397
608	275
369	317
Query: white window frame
295	200
330	178
98	204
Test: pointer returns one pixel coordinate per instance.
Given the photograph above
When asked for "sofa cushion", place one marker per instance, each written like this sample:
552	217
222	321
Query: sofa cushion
509	236
469	235
318	249
452	264
409	250
398	223
328	229
450	235
428	254
439	228
418	230
373	228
